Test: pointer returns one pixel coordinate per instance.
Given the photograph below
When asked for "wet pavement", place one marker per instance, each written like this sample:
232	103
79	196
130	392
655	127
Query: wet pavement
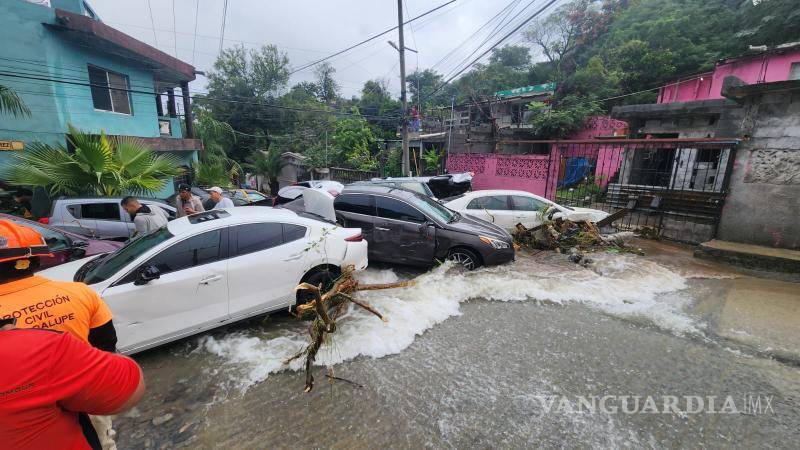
504	357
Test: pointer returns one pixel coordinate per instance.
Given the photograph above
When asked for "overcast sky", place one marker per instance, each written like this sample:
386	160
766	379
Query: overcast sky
307	30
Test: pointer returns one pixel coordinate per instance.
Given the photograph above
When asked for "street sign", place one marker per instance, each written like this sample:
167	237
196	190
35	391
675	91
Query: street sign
7	146
537	89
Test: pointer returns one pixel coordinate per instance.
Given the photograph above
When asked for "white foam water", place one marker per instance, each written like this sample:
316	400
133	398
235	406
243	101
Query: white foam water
622	285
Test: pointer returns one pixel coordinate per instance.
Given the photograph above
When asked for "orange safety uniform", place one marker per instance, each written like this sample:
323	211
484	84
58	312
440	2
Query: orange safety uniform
37	302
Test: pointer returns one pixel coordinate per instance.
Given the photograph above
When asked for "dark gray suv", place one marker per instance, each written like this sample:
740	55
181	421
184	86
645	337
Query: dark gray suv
408	228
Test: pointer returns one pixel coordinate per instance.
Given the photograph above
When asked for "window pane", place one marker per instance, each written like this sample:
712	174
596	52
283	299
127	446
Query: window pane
100	95
495	202
355	203
103	211
293	232
414	187
521	203
120	99
55	241
74	211
257	236
390	208
195	251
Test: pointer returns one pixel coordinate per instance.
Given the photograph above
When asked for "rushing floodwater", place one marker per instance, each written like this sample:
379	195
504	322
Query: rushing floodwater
622	285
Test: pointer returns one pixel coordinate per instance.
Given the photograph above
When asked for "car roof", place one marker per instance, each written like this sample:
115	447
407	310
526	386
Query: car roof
378	189
499	192
232	216
106	199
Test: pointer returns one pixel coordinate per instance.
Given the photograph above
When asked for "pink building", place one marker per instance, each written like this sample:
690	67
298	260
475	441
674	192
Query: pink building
780	63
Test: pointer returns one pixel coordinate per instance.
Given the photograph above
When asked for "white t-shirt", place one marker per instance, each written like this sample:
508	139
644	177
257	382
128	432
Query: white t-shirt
225	203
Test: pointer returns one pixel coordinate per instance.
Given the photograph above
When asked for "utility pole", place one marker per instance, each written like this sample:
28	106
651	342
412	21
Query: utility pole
404	129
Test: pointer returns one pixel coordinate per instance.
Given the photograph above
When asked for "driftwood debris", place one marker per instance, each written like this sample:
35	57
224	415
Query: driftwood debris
325	308
566	236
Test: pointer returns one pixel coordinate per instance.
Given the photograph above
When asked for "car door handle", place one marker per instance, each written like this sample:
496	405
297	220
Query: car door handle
382	229
211	279
294	257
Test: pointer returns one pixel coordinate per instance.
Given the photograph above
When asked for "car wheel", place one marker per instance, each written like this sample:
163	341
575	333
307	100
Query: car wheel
324	277
465	257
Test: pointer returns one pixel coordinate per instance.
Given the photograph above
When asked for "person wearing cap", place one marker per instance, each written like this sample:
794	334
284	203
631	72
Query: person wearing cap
186	203
145	219
22	204
220	201
37	302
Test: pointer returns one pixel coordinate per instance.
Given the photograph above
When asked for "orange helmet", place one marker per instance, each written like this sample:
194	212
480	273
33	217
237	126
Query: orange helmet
20	242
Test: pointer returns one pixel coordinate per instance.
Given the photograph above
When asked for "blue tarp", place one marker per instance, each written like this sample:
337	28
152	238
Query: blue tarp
576	169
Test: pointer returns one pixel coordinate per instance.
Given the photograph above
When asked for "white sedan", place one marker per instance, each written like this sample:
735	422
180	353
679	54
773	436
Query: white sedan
213	268
508	208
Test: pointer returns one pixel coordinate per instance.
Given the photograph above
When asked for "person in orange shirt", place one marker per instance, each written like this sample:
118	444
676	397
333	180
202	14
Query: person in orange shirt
36	302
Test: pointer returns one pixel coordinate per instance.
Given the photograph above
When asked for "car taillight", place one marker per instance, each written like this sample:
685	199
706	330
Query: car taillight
44	220
357	238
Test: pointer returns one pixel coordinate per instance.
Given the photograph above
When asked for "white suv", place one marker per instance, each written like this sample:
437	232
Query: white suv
99	217
212	268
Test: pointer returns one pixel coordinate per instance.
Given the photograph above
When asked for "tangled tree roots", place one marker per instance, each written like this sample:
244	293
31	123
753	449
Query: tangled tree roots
325	308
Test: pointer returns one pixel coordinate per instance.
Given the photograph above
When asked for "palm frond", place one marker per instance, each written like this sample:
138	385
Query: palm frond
10	103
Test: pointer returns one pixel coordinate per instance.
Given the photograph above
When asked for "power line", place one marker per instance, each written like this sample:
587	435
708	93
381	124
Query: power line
202	96
506	36
222	31
369	39
451	52
152	22
174	27
194	39
495	31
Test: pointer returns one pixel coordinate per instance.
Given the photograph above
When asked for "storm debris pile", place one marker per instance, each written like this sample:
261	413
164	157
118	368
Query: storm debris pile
572	238
325	308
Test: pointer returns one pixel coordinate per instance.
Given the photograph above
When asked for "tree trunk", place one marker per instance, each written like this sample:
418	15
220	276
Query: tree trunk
273	187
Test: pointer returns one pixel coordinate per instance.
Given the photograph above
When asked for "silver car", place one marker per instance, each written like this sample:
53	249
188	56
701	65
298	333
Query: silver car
99	217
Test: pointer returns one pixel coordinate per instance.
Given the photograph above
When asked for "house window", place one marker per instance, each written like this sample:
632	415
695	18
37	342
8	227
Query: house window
794	72
109	90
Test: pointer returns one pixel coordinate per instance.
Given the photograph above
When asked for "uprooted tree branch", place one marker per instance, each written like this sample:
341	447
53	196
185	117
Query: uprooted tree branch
325	308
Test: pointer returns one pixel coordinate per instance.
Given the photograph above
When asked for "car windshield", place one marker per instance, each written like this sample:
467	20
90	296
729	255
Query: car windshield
102	268
433	208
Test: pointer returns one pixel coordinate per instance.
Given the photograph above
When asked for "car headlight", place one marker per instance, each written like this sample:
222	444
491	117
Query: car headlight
495	243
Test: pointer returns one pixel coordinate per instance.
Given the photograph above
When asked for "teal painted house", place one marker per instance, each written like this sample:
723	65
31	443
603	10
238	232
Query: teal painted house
71	68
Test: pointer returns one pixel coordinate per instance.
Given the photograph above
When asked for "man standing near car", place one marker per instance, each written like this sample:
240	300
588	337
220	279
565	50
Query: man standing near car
145	219
186	203
220	201
36	302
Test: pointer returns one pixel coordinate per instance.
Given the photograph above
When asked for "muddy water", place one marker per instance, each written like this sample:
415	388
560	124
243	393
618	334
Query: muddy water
462	361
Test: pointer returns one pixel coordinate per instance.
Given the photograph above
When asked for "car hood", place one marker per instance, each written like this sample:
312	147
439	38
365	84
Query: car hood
473	225
581	214
65	272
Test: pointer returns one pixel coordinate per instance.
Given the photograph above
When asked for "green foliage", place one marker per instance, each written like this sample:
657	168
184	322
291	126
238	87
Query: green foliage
211	173
10	103
562	121
99	166
353	140
328	89
432	158
268	165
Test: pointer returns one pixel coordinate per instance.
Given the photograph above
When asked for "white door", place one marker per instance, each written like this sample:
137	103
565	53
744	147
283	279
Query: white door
190	295
527	210
267	262
492	208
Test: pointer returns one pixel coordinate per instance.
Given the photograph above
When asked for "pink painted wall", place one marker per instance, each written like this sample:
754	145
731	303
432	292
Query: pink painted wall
532	173
708	86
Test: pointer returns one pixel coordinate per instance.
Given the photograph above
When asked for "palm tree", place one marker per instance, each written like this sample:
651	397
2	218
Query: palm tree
99	166
267	164
10	103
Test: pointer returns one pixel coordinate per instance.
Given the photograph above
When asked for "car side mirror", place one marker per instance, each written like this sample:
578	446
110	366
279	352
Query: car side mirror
146	275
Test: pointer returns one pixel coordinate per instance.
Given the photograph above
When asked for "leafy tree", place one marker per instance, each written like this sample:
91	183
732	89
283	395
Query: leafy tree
10	103
216	137
99	166
211	173
328	89
432	158
421	86
267	164
561	122
353	140
240	83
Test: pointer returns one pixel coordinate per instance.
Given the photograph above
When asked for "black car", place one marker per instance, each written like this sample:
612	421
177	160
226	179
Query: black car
408	228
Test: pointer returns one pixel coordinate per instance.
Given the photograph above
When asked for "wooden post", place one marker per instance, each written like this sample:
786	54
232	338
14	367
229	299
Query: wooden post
171	103
159	106
187	110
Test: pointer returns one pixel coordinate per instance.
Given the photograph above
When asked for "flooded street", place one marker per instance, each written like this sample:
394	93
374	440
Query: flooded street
501	357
